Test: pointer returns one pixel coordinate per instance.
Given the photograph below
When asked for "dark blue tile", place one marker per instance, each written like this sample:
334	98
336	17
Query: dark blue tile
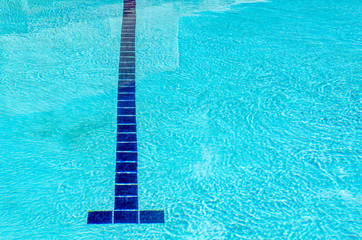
127	90
126	147
127	18
131	48
128	49
129	5
129	23
127	34
128	29
129	64
126	119
128	42
127	59
126	167
126	76
126	96
126	128
126	104
99	217
124	203
129	12
126	83
126	111
127	71
152	217
129	15
126	190
125	216
126	156
127	46
126	137
129	2
128	54
126	177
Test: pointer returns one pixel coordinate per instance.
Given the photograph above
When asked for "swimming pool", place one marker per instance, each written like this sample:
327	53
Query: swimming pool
248	118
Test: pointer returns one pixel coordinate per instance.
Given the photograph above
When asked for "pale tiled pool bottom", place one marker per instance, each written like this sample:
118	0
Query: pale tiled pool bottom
248	121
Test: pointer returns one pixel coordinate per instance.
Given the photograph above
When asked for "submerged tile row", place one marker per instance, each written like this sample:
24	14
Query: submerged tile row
125	216
126	189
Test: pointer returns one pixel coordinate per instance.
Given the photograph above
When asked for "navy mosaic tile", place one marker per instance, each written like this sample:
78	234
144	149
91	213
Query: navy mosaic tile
126	119
124	83
129	34
128	47
126	156
126	147
99	217
126	190
126	167
124	96
126	128
126	90
128	17
128	29
126	111
128	42
123	76
128	64
126	104
123	59
128	51
129	23
127	70
125	216
128	54
127	137
126	203
126	177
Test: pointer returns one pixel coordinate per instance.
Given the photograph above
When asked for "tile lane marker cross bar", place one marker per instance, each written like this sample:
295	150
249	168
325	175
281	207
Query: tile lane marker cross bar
126	189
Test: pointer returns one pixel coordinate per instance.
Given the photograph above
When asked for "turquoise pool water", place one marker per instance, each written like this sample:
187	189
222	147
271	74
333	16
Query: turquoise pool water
248	113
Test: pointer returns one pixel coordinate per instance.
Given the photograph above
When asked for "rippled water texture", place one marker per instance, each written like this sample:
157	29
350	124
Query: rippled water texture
249	118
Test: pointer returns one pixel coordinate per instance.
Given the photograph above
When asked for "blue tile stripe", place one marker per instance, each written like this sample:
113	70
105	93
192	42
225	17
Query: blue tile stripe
126	209
126	167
